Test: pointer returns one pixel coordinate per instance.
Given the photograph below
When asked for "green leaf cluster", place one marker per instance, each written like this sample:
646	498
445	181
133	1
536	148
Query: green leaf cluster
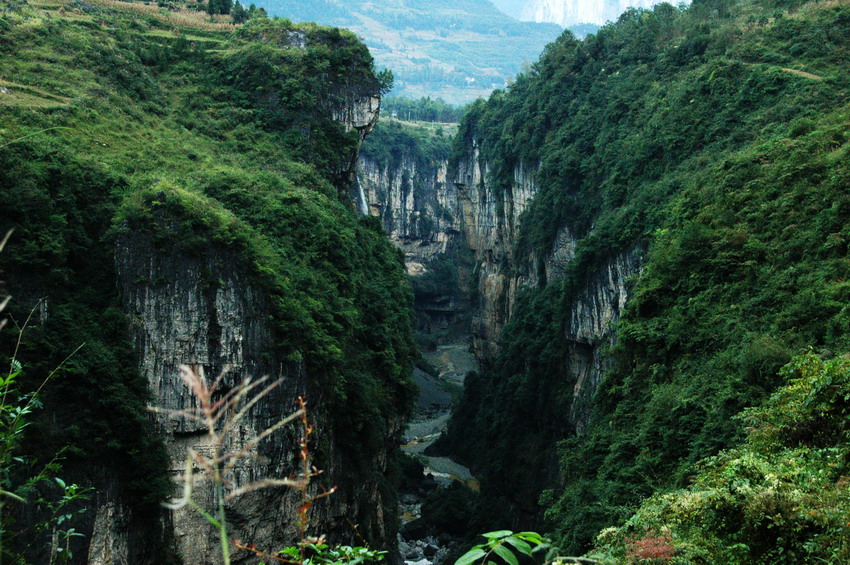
319	553
506	545
779	497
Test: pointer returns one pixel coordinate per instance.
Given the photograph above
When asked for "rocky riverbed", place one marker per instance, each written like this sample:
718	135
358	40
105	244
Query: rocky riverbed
419	544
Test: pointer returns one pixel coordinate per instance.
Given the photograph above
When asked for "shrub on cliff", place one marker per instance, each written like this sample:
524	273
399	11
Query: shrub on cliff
780	497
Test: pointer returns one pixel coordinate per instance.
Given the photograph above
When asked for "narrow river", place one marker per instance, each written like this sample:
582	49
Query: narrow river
437	395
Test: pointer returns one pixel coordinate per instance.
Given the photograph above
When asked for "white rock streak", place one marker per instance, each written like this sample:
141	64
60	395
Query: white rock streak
571	12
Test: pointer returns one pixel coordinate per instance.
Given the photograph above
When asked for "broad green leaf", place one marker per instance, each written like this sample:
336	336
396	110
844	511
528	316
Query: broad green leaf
498	534
532	537
520	545
471	556
506	554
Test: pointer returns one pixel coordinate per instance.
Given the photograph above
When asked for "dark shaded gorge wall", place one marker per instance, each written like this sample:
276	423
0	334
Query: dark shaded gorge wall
638	205
620	323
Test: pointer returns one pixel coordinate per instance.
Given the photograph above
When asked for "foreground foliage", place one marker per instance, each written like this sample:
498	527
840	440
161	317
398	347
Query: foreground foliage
505	544
779	497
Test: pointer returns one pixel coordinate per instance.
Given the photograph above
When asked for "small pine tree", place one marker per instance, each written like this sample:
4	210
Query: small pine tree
238	13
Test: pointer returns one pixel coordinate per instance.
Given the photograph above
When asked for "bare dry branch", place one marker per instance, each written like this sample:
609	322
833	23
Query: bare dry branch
6	239
187	489
231	422
251	444
266	483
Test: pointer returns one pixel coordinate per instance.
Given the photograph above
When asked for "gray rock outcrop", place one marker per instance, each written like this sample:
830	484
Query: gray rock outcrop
420	209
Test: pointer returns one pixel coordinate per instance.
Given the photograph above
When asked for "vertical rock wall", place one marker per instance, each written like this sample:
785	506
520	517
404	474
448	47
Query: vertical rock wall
492	224
201	309
204	311
428	210
559	405
421	211
418	206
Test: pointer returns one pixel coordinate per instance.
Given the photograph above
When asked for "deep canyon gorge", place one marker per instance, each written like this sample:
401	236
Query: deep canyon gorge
620	284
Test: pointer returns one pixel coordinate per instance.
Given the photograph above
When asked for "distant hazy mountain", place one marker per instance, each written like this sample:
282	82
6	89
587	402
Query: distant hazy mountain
571	12
513	8
455	49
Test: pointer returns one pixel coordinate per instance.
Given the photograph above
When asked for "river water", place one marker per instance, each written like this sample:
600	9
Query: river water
437	395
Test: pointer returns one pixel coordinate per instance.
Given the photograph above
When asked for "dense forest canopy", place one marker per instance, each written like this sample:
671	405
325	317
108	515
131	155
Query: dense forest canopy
713	141
709	143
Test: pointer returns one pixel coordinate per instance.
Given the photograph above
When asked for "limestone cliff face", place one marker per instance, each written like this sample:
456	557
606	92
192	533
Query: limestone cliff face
357	109
559	406
421	211
429	209
202	310
590	330
492	223
418	206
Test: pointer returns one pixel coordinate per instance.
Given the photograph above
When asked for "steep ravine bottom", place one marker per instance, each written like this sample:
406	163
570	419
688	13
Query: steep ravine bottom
421	541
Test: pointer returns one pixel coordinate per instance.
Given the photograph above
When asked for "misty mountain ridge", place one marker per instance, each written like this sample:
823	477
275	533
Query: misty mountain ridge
457	50
569	13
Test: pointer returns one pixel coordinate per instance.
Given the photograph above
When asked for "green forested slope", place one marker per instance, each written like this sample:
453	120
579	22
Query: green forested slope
209	137
716	138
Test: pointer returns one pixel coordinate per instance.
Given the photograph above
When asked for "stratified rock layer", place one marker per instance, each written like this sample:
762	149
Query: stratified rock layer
421	211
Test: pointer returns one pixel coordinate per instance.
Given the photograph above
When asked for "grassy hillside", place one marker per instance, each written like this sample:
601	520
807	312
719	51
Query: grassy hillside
716	138
112	113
